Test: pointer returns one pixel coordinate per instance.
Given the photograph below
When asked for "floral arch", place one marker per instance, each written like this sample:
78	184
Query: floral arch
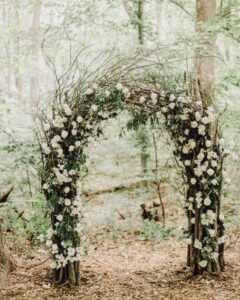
76	116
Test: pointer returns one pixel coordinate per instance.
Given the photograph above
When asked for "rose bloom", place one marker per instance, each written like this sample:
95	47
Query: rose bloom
67	202
94	107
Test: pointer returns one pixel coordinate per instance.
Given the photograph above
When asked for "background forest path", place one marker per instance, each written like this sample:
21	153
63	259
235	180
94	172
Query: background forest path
122	271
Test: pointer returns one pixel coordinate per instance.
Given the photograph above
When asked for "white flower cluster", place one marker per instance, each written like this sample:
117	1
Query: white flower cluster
65	251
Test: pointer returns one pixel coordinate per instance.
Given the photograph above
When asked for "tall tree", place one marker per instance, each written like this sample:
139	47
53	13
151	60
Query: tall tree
205	62
206	252
34	77
7	262
17	49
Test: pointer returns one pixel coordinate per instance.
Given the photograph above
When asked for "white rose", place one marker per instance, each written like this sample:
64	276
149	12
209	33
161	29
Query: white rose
197	244
205	120
67	202
94	107
214	182
201	156
45	186
74	132
194	124
214	163
142	99
107	93
47	151
164	109
210	172
77	144
59	218
71	148
198	116
67	110
207	201
79	119
46	126
208	143
89	91
185	150
64	134
66	190
201	130
192	144
203	263
193	181
60	152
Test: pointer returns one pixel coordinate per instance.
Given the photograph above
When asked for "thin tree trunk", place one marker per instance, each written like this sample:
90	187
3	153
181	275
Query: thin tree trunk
7	263
140	21
158	25
205	62
144	154
17	73
34	77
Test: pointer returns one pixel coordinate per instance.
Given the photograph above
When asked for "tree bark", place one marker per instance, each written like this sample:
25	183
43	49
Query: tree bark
205	75
34	77
158	24
7	263
205	62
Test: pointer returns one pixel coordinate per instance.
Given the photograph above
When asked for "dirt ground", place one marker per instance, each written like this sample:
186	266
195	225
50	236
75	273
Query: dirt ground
122	271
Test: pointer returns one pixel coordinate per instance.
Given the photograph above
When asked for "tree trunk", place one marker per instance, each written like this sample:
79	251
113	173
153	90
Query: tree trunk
205	73
205	62
158	24
70	273
17	73
34	77
144	154
7	263
140	21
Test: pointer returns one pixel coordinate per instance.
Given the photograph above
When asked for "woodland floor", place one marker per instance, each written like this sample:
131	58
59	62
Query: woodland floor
121	271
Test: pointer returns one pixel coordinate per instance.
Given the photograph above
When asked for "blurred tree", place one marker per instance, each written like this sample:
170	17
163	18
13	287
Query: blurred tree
205	75
7	262
34	68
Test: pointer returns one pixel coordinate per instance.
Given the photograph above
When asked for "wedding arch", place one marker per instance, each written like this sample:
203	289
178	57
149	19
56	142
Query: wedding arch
76	115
